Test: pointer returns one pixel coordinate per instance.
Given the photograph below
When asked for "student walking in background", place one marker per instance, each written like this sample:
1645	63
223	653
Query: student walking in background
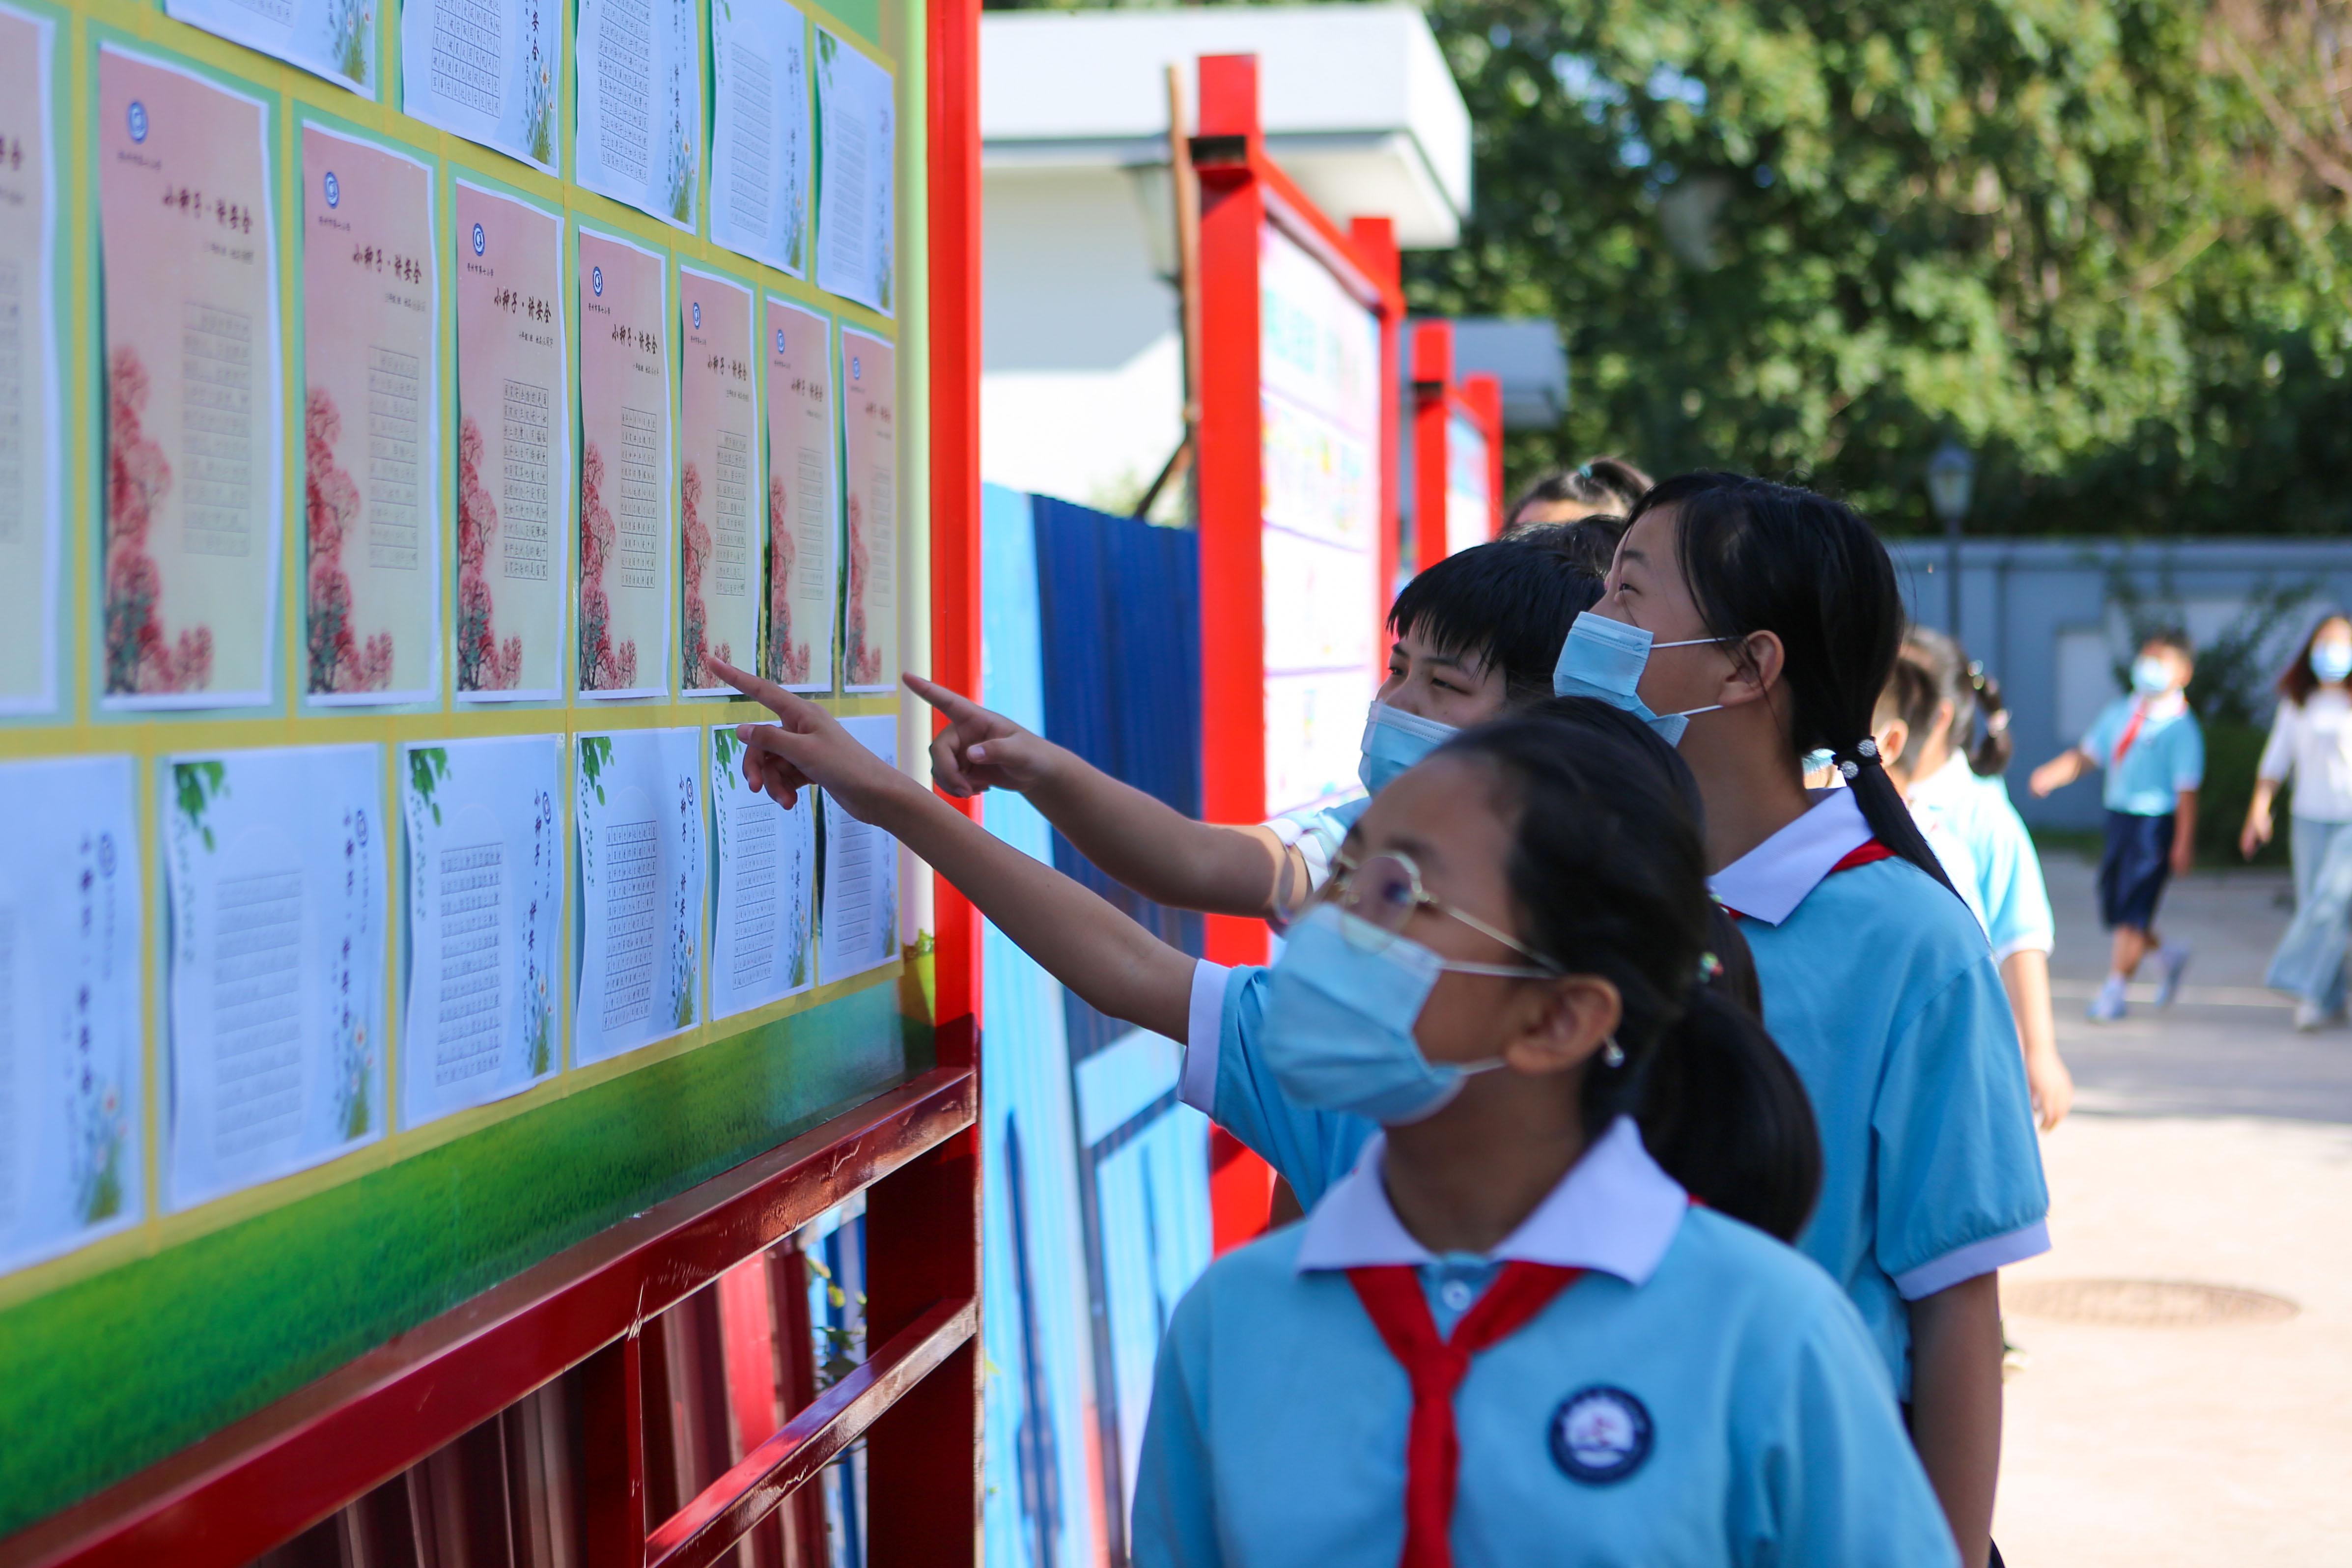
1953	775
2311	743
2153	754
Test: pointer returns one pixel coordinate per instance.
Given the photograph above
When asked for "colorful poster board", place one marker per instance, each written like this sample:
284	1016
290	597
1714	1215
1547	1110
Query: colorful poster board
803	508
330	38
487	70
514	450
856	183
485	935
759	131
626	544
277	870
71	1096
32	499
639	138
869	447
638	816
193	418
1469	500
371	340
764	914
718	481
858	928
1319	405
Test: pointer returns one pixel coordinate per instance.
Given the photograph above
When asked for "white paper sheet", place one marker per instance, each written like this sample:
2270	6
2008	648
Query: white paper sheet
32	496
856	183
332	38
803	533
276	865
766	868
70	915
759	131
640	105
637	812
485	945
487	70
858	929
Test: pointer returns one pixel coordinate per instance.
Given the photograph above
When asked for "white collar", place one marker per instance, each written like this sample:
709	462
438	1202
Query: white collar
1945	783
1771	881
2165	705
1614	1211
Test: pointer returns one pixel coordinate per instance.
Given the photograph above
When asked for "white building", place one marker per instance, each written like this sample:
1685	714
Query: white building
1082	379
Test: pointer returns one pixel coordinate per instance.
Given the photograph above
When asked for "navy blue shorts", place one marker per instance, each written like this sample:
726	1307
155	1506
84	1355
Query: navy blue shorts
2133	871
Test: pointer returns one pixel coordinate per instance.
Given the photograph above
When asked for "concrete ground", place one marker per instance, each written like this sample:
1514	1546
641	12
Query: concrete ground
2210	1146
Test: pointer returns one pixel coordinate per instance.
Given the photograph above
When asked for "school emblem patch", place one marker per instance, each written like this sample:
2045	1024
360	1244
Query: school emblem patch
1600	1434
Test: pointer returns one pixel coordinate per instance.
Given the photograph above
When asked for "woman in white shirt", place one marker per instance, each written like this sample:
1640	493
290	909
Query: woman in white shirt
2311	740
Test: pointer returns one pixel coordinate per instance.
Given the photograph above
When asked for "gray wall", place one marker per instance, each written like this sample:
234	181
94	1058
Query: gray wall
2042	615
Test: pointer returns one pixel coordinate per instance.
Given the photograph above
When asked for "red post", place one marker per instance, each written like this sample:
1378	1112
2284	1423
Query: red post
1433	383
1376	247
1483	395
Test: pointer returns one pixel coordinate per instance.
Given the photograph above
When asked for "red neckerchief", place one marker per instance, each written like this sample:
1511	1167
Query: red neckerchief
1432	1450
2131	733
1862	854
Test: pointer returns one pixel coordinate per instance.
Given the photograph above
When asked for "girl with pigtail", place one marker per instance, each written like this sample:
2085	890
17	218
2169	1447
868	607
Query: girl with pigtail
1754	622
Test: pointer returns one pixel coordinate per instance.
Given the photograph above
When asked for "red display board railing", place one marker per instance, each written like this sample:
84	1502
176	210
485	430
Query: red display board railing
1457	425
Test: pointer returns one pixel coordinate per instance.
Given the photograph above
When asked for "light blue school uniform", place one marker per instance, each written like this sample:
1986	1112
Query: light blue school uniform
2011	894
1318	832
1745	1418
1881	990
1227	1079
2167	756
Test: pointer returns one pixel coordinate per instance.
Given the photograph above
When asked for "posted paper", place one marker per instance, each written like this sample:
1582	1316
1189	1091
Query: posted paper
192	430
637	810
718	476
485	907
640	105
32	499
856	183
759	131
486	70
70	917
803	511
859	927
869	416
277	965
759	947
626	544
514	450
332	38
370	412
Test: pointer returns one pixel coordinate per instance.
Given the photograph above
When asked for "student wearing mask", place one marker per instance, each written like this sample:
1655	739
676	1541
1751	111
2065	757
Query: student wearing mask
1956	783
1507	1336
2154	756
1754	622
2311	743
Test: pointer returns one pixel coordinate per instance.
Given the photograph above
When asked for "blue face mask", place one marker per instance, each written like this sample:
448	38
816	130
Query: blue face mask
1340	1010
2331	660
2152	677
1604	659
1394	740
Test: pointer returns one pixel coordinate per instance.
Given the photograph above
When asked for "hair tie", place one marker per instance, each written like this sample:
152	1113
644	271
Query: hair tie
1583	470
1866	749
1850	770
1612	1055
1996	723
1709	966
1976	674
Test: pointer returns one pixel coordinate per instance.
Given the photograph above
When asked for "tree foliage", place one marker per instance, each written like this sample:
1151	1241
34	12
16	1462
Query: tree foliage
1815	240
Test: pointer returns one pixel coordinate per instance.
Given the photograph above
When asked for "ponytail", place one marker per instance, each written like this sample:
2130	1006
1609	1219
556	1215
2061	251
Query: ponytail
1609	873
1962	682
1764	557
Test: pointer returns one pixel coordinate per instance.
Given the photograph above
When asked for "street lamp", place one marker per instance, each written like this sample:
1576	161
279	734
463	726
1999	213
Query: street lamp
1951	475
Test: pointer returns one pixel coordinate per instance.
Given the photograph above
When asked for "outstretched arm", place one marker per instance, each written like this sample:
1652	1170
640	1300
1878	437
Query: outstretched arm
1140	841
2060	771
1111	962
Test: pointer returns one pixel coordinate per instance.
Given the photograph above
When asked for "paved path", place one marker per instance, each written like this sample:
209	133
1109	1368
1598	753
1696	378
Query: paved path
2210	1144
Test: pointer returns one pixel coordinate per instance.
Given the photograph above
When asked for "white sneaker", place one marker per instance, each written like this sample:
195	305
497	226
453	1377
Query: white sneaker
2108	1004
2170	959
2308	1017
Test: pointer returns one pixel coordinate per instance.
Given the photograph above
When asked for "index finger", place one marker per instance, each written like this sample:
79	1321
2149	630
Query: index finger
946	698
766	693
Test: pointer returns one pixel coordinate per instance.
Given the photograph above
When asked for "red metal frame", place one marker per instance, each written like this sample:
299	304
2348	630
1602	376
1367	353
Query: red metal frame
1242	191
1437	400
914	1151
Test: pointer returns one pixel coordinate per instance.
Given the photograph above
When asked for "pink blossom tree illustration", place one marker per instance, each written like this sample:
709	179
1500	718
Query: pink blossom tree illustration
139	656
338	661
861	665
604	666
788	661
696	539
484	663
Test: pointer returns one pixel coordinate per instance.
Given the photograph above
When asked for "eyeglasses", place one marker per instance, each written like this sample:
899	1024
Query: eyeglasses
1384	891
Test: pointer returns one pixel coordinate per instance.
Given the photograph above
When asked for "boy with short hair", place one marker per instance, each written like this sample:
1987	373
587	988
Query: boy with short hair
2154	756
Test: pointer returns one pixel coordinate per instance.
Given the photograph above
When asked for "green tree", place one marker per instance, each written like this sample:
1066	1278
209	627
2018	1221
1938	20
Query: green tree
1813	239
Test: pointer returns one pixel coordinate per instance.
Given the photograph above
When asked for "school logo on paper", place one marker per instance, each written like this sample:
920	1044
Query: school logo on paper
597	280
780	340
1600	1435
138	119
480	239
334	189
698	315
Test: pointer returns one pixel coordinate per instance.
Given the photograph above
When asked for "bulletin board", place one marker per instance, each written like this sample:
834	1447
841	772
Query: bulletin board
1457	433
400	408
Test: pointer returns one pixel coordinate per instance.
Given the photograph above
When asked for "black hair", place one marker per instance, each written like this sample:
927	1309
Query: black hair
1612	484
2298	680
1973	693
1507	605
1760	556
2173	637
1591	542
1910	696
1609	875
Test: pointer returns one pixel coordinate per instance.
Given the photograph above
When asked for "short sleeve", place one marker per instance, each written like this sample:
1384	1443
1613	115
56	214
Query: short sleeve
1225	1076
2187	755
2099	741
1959	1173
2278	751
1175	1491
2017	902
1317	834
1829	1475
